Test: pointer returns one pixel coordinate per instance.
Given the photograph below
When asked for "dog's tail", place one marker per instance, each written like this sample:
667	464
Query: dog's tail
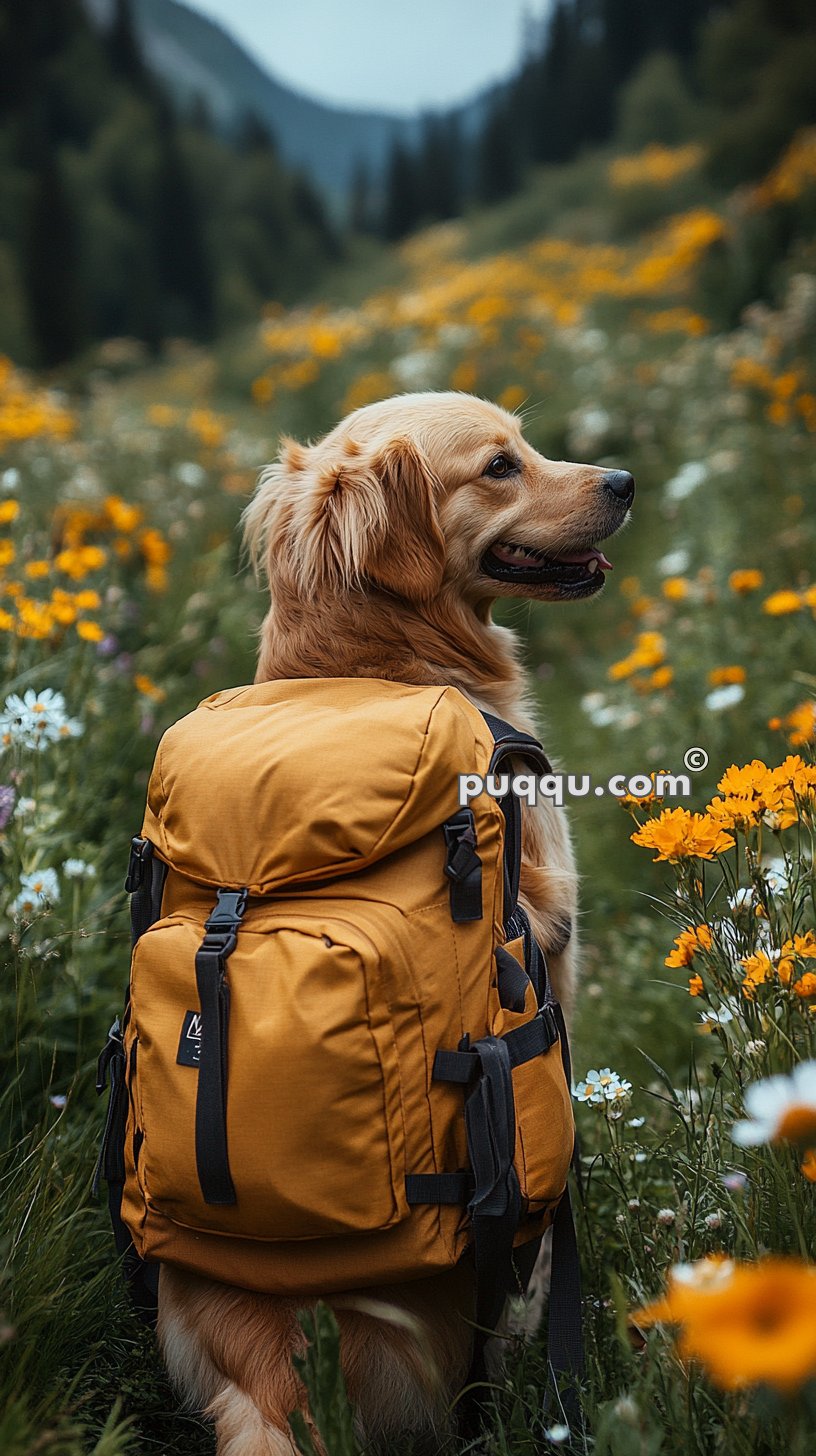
241	1429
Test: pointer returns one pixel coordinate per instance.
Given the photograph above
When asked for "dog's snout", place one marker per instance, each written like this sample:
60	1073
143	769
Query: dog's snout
620	484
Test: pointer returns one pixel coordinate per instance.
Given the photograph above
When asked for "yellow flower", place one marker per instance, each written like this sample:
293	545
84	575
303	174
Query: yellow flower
677	834
513	397
661	677
695	986
744	581
687	943
782	603
88	600
809	1165
800	724
721	676
805	986
155	550
7	553
9	511
77	561
122	516
675	588
35	570
746	1324
90	631
146	686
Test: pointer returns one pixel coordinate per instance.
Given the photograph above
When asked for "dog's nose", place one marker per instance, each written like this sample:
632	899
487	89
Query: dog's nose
621	484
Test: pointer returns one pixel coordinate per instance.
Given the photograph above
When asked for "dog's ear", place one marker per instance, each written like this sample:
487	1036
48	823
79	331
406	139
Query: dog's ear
374	519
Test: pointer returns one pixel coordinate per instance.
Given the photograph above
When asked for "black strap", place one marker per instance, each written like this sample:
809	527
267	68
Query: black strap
463	867
439	1187
522	1044
145	885
495	1205
220	938
512	742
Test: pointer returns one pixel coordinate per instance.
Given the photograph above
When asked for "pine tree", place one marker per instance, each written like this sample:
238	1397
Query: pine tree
401	211
50	263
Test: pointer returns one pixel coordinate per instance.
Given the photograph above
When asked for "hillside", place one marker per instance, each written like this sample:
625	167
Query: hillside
197	58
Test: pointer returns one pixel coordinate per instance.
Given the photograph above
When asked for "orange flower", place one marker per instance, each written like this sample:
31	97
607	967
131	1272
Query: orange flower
677	834
695	986
746	1324
747	580
687	943
722	676
782	603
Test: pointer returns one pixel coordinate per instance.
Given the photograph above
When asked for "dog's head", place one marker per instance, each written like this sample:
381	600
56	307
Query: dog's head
427	491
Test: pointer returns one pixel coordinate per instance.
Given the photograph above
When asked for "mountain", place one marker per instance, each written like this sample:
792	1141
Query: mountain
195	57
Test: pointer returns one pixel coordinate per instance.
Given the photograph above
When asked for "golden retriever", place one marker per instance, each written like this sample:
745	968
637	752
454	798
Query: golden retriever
385	545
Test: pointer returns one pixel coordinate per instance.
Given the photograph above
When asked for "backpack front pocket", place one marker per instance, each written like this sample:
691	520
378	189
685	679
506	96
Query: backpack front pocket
314	1121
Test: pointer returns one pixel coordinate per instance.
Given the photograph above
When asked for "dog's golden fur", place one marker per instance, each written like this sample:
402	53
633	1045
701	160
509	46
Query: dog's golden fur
373	542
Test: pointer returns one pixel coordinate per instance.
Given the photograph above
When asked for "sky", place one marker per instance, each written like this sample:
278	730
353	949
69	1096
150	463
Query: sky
396	55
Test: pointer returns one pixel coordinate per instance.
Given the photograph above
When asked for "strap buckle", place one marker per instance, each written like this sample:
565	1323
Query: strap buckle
460	838
141	853
229	910
114	1047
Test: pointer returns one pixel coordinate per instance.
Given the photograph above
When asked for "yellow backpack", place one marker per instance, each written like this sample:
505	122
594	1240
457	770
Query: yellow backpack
340	1061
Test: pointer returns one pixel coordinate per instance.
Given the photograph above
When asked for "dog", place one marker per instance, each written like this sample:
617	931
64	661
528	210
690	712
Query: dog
385	545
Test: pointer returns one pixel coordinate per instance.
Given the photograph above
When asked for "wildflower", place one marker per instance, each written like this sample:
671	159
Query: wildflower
665	1217
747	1324
674	563
590	1089
190	474
90	631
722	698
755	1047
687	943
36	890
58	1100
675	588
782	603
636	1121
723	676
713	1221
779	1109
677	834
721	1017
735	1182
36	719
695	986
146	686
7	797
9	511
78	869
558	1434
808	1165
805	986
633	1205
687	479
745	581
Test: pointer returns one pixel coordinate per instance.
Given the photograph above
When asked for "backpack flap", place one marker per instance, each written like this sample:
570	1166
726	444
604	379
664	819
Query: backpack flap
289	783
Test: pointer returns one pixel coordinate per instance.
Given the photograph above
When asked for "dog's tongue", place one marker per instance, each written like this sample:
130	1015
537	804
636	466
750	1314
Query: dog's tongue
579	557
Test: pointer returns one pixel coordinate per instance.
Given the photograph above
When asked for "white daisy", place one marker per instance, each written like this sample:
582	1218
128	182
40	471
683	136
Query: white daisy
78	869
37	889
779	1108
590	1089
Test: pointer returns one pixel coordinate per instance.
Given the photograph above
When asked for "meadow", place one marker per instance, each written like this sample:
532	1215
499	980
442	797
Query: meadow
625	333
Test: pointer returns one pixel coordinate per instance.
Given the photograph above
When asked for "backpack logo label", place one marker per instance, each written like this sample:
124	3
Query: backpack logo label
189	1052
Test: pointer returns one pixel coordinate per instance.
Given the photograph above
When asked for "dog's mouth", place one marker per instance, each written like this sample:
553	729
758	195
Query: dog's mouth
572	572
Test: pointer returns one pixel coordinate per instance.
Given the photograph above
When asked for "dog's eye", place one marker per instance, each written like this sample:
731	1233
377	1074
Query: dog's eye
500	466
